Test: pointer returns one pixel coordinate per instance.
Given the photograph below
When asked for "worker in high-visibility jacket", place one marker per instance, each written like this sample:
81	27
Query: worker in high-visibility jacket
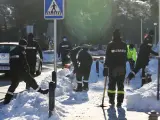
131	55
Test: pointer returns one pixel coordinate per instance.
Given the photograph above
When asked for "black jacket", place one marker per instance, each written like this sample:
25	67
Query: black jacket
116	54
64	48
18	62
74	52
145	51
84	59
32	48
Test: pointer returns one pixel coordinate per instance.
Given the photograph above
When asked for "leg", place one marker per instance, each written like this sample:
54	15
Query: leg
63	61
111	90
28	79
120	92
86	78
131	62
10	93
79	81
134	72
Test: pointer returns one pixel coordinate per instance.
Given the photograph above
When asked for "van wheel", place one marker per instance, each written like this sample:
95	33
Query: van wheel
39	70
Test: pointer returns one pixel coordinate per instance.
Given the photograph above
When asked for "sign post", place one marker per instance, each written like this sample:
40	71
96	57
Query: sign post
53	10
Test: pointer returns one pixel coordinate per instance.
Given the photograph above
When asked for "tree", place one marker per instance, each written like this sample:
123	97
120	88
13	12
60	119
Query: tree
6	14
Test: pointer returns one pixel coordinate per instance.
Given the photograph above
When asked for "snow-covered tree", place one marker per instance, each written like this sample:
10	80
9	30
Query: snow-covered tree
5	14
133	8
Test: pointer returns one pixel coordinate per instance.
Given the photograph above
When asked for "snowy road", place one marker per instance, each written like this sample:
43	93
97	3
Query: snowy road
5	82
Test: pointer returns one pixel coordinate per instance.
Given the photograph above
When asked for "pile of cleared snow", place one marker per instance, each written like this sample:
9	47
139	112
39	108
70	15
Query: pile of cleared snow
33	105
144	99
98	52
48	56
29	106
93	74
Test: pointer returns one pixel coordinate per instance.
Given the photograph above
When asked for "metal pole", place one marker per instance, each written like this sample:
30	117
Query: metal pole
141	31
55	45
155	34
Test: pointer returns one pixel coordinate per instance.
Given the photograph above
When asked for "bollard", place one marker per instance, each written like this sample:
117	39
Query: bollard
52	86
97	67
153	115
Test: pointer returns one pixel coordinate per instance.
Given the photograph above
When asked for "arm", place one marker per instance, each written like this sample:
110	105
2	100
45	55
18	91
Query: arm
59	50
24	60
107	56
39	50
154	53
135	55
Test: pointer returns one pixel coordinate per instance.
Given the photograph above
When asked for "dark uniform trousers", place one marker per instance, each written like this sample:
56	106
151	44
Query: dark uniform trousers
135	71
23	76
132	64
64	59
116	80
83	73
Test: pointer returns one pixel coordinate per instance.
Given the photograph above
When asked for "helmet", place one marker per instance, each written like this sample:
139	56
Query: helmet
23	42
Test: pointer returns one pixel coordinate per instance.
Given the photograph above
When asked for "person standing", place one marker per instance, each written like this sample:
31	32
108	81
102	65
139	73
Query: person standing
143	57
64	49
115	68
20	71
84	62
73	54
131	55
31	51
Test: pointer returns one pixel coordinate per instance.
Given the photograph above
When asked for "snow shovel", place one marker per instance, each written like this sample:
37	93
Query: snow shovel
104	92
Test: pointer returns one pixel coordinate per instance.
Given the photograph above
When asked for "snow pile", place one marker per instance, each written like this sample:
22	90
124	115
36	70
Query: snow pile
98	52
144	99
48	56
93	74
34	106
28	106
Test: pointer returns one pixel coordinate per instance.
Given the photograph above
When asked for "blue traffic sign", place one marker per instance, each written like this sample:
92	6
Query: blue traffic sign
53	9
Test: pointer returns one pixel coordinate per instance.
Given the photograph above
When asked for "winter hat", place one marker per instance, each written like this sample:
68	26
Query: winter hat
23	42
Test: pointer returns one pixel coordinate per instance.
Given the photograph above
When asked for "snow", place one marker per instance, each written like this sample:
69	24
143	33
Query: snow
70	105
48	56
98	52
145	98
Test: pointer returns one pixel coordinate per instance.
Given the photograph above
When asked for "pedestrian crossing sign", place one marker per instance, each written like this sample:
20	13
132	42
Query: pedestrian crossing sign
53	9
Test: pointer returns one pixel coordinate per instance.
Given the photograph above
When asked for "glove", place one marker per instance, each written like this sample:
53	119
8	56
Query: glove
105	72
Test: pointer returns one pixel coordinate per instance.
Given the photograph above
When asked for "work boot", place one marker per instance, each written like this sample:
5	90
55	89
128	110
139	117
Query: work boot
43	91
7	98
85	86
79	88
